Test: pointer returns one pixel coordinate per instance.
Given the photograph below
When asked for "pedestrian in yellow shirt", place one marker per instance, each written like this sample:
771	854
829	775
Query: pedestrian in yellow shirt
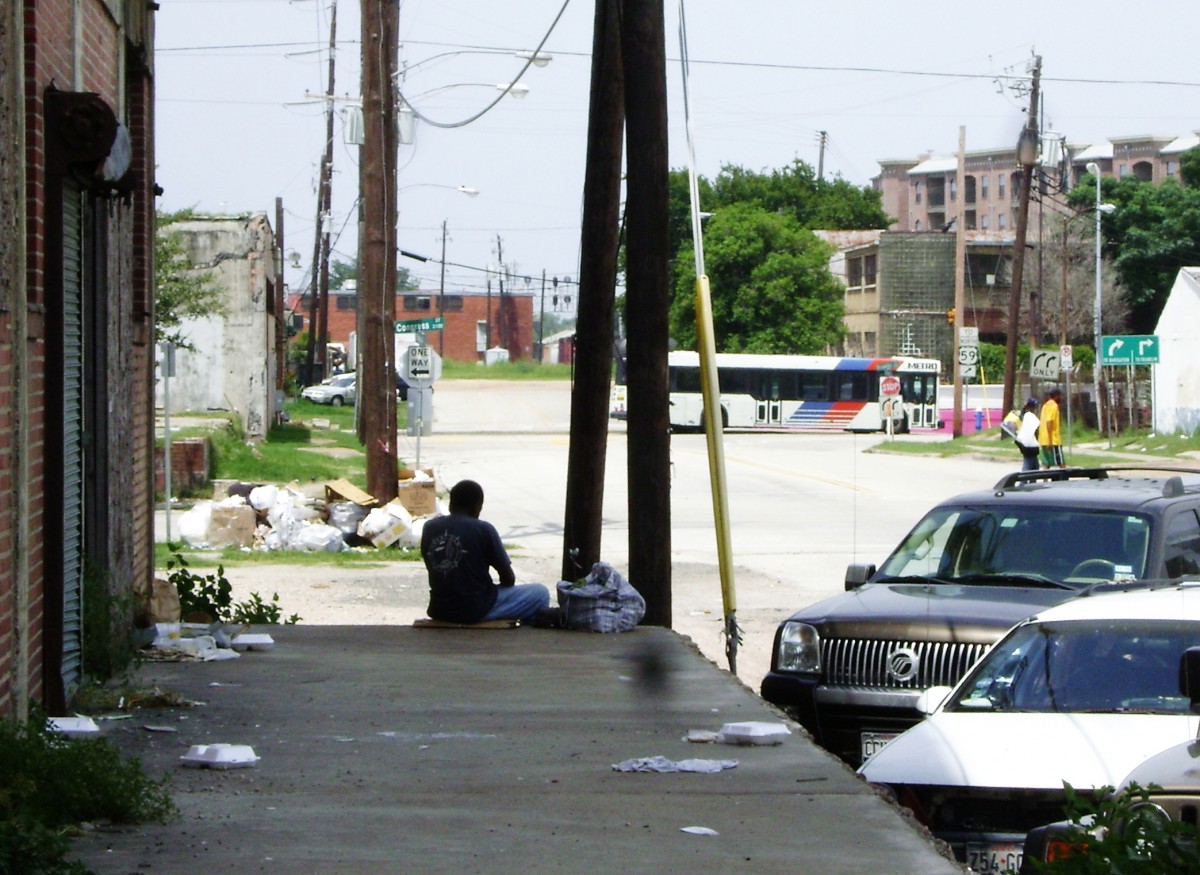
1050	432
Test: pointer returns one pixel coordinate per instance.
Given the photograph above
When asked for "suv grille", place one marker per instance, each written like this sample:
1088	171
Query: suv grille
906	665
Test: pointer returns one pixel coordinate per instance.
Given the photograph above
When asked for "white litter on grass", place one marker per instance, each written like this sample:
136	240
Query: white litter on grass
74	727
754	732
219	756
699	830
662	764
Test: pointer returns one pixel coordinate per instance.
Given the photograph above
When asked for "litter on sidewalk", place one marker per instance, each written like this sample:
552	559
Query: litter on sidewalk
662	764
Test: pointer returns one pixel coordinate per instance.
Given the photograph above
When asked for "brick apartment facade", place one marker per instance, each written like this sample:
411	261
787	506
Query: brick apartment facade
76	332
921	193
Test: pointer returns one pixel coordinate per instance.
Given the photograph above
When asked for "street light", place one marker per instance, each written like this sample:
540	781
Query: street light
1097	312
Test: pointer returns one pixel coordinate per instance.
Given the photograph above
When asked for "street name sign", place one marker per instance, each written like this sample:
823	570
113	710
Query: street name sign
434	323
1129	349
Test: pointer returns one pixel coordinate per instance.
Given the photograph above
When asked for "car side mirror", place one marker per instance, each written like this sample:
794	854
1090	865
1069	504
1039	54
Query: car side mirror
931	699
857	574
1189	677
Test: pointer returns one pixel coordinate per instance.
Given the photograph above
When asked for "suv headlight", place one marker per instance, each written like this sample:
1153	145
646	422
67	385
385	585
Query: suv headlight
799	648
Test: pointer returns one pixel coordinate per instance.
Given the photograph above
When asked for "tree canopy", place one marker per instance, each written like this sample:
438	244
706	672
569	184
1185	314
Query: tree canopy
771	288
1152	233
182	291
769	274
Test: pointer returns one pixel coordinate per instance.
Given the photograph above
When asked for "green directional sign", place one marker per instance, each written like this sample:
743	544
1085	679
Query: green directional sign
1129	349
434	323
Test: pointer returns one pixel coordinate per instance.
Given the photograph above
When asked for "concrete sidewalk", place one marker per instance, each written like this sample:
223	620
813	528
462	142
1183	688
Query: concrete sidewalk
393	749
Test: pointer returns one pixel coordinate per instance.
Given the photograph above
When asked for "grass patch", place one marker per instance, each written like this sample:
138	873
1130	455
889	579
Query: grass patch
519	370
234	557
1086	447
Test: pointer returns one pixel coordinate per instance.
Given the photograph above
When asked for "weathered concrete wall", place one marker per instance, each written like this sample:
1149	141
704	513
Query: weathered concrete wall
232	367
1177	376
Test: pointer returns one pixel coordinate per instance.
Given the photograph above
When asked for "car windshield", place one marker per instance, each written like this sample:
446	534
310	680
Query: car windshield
1083	666
1015	545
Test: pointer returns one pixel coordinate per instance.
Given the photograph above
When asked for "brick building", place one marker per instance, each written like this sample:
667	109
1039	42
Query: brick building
76	335
475	321
921	193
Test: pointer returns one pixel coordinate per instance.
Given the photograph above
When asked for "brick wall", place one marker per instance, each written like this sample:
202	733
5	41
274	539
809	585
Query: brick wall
189	466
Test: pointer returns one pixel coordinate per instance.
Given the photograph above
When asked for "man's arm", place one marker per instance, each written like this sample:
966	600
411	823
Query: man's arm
507	578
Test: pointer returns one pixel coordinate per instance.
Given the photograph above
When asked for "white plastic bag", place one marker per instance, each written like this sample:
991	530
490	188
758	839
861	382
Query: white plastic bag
194	524
318	538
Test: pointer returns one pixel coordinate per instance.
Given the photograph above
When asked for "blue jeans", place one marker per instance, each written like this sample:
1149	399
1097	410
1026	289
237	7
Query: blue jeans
519	602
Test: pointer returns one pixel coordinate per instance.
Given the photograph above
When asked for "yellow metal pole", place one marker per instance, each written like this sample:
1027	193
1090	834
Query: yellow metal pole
713	431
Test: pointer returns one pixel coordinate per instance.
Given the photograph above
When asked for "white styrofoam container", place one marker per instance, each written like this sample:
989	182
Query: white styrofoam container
220	756
252	641
754	732
75	727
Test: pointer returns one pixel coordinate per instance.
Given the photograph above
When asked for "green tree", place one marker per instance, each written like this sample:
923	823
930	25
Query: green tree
181	290
792	303
771	288
1154	231
340	271
1189	167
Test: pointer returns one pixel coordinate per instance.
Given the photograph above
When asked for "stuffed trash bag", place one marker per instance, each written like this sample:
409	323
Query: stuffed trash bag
604	601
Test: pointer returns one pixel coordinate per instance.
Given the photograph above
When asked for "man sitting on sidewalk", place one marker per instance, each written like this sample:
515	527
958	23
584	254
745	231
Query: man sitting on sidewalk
459	550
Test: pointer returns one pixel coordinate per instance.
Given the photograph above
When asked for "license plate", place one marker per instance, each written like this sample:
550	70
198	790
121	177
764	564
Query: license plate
872	742
993	858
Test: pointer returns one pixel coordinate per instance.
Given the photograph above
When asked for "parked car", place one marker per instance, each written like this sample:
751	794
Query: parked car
336	390
1170	779
851	668
1080	693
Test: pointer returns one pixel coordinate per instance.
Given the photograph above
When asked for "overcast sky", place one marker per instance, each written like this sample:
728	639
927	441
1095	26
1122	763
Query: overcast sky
884	79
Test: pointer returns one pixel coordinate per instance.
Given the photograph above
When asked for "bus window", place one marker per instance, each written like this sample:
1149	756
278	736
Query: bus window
814	386
851	385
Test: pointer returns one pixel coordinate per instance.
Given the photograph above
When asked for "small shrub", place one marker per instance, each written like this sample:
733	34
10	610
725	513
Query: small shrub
49	784
210	595
257	612
1118	835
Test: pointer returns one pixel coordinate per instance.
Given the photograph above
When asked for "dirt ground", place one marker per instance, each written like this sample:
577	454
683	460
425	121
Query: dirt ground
397	593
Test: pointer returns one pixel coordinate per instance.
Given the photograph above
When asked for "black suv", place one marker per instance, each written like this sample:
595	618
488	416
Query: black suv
850	668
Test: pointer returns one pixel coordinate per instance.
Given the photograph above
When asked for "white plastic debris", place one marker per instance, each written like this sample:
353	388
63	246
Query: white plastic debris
74	727
320	538
194	523
252	641
220	756
662	764
754	732
264	497
699	830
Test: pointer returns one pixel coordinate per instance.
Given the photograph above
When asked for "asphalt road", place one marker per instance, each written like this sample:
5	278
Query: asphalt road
802	506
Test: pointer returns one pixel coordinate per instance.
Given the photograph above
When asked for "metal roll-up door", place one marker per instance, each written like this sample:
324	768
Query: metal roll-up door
74	241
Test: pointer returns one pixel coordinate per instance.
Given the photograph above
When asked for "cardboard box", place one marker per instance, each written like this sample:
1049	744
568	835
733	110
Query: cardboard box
400	522
419	496
232	526
344	490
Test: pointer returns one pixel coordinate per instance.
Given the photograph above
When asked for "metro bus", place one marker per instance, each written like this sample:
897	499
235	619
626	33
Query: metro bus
803	392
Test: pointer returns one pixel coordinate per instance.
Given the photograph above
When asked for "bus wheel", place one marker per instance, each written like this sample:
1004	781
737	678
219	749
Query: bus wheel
903	427
724	421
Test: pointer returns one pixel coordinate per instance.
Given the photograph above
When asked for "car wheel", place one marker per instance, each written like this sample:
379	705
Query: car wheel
337	400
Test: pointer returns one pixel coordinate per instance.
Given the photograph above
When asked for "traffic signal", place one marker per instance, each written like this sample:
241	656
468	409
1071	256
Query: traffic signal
950	316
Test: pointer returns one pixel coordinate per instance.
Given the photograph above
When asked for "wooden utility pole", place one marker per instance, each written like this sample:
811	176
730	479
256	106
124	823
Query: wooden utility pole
597	283
318	322
280	300
1014	296
643	51
377	285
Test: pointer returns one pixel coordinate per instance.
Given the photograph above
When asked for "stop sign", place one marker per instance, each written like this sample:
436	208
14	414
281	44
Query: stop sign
889	386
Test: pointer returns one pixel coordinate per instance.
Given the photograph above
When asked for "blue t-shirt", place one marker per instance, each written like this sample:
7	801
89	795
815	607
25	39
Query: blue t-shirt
459	552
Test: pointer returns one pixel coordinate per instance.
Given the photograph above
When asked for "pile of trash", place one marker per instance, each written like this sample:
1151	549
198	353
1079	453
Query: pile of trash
268	517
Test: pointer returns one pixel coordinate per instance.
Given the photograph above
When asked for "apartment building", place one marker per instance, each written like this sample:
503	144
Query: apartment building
922	193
